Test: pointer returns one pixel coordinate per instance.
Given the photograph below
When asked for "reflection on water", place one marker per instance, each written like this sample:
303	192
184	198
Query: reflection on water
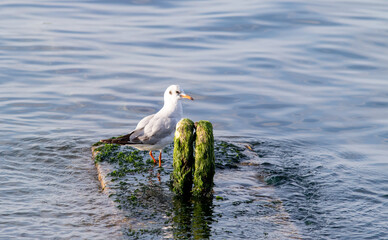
303	82
192	219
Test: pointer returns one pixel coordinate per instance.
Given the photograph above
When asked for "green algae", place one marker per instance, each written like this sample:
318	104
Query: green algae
128	161
219	198
204	168
107	152
135	189
139	193
182	176
139	234
228	155
97	144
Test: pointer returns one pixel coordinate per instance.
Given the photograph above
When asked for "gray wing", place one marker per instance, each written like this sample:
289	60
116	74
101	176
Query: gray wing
137	134
155	130
150	130
144	121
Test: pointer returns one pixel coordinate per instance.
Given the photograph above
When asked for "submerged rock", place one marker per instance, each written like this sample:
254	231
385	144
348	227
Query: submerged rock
142	193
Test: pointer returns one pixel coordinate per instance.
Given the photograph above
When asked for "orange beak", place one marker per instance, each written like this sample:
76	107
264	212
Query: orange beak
186	96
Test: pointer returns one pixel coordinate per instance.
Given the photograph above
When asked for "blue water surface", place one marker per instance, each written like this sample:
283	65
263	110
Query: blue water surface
304	82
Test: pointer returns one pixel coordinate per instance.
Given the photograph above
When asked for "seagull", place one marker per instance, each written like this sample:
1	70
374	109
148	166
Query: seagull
156	131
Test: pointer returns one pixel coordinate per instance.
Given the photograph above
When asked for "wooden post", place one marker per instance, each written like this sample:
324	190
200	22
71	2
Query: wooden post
183	160
204	160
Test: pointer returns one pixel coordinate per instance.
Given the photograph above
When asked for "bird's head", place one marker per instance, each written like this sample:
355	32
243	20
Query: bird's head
174	93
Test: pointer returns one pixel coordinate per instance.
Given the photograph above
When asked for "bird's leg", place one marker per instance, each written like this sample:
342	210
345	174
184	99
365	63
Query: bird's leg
160	159
152	157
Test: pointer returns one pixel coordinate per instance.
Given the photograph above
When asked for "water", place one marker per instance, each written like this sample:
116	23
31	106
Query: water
304	83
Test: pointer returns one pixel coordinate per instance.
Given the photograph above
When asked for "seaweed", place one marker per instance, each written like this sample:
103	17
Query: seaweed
228	155
143	192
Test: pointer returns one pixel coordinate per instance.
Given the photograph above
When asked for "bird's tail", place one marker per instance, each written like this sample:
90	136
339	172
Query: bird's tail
122	140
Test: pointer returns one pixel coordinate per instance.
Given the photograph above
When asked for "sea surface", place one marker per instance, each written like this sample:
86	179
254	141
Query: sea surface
305	83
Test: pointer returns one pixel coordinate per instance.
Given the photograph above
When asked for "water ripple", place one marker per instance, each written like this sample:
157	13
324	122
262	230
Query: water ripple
303	82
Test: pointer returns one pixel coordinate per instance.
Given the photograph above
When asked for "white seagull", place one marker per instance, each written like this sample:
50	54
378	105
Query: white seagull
156	131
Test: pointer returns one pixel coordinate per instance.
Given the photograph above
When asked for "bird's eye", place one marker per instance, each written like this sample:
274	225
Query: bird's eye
170	92
178	92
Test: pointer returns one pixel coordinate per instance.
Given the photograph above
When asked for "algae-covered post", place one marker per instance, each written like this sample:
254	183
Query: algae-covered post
204	160
183	157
